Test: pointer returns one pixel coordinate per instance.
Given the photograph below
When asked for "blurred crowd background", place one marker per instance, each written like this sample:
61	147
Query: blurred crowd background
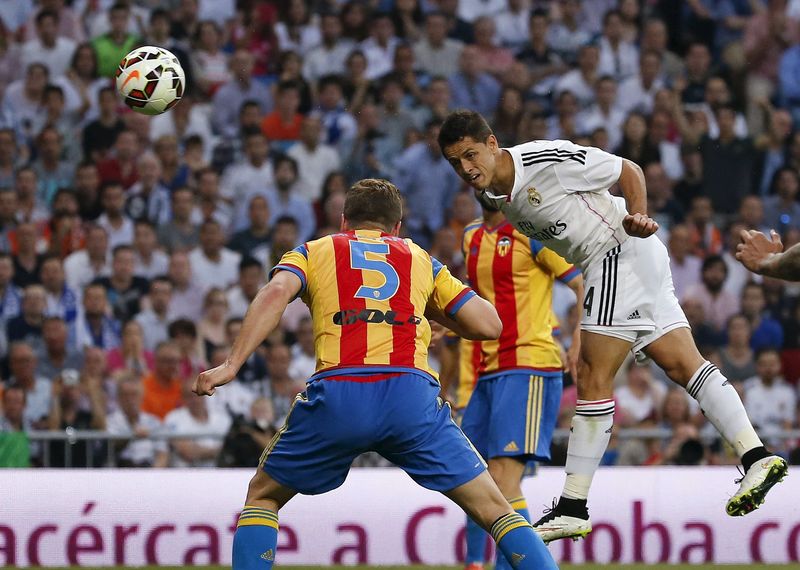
130	246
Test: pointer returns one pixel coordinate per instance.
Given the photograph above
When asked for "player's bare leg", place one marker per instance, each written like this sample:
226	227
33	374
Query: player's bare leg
677	354
255	541
590	432
482	500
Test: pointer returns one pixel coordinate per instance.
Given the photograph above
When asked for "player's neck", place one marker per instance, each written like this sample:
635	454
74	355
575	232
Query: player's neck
504	174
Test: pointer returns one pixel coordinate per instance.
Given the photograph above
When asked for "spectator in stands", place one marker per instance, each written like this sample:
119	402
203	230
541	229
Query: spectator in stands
22	366
162	386
513	25
62	300
174	170
150	261
282	125
132	355
581	81
706	237
212	264
330	54
13	417
129	421
318	159
661	203
48	47
368	156
253	373
435	53
179	232
769	400
566	36
194	417
427	205
148	199
27	327
339	125
619	58
94	326
637	92
124	289
781	210
684	266
255	238
472	87
84	266
251	279
285	236
751	213
211	327
10	294
287	202
641	397
282	386
604	113
229	97
100	135
23	98
209	62
718	305
116	44
303	357
66	413
9	156
698	68
120	166
87	191
766	331
57	353
155	319
379	47
252	174
735	359
492	57
25	248
774	146
187	294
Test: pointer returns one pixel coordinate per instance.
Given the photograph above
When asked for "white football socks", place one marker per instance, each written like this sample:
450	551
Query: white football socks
588	440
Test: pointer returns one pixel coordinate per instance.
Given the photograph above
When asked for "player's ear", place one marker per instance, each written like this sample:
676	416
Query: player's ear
492	143
343	225
396	230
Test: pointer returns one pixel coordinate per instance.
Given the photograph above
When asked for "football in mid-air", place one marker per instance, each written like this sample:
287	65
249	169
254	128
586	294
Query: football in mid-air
150	80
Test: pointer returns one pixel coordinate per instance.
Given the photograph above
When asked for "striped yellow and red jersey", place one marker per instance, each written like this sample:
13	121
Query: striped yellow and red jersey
367	292
515	274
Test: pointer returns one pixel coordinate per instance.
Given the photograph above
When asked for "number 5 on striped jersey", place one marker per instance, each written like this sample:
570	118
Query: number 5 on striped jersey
375	262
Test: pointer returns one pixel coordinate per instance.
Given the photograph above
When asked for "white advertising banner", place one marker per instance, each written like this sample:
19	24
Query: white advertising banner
379	516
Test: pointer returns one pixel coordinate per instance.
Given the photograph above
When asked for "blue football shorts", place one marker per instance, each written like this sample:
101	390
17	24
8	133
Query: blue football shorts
398	415
513	414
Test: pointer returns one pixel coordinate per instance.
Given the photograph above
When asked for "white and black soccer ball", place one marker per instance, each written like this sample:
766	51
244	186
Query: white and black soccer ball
150	80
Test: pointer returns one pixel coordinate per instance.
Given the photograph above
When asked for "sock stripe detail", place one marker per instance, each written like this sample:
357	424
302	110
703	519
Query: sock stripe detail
257	522
701	376
256	516
595	408
518	504
506	524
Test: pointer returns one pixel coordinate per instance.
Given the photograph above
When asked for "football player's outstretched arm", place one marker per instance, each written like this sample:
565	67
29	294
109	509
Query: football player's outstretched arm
476	320
765	256
262	317
631	181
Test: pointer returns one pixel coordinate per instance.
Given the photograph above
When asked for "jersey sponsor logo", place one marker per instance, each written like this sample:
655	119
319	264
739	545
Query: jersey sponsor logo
534	198
550	232
503	246
352	316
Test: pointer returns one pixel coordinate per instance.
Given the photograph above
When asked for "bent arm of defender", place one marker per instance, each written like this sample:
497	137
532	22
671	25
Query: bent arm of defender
784	265
477	319
263	316
631	182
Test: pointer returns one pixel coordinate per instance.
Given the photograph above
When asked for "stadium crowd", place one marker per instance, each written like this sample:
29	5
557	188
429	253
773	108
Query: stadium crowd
131	246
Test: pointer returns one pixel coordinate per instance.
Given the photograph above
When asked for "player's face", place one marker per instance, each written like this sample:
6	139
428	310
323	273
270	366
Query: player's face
473	161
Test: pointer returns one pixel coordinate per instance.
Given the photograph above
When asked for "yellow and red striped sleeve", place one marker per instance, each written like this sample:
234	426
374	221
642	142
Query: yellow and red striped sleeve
559	267
449	294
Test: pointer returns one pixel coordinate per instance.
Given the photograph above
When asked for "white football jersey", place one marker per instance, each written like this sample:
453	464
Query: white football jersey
561	198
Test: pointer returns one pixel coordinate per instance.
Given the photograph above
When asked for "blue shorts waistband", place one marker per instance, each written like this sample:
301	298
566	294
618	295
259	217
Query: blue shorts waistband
369	370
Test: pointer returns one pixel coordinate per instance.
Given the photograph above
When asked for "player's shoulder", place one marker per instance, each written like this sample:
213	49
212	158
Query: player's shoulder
472	226
545	145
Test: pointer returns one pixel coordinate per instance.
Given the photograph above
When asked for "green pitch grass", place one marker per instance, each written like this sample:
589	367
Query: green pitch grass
564	567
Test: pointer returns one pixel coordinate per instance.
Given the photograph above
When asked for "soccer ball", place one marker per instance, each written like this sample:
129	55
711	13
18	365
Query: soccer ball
150	80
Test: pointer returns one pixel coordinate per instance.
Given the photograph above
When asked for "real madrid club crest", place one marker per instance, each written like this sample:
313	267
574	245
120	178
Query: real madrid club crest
503	246
534	198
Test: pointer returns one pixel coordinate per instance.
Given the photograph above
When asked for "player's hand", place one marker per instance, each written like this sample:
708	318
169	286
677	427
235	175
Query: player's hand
572	357
639	225
756	249
207	382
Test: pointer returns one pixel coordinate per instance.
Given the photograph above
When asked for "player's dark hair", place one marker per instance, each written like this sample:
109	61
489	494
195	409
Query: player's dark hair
461	124
373	201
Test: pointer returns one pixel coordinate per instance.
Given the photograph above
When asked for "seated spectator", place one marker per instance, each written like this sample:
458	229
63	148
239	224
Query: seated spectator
246	440
62	300
493	58
684	266
26	251
633	144
94	326
235	398
253	372
472	87
148	199
282	126
640	398
120	165
735	359
209	62
254	173
770	402
22	363
183	333
131	355
52	171
230	96
434	52
282	386
285	236
706	337
114	220
304	361
212	264
23	98
27	327
100	135
58	353
566	35
581	81
86	265
135	425
162	386
179	232
150	261
781	210
48	47
719	305
285	201
174	170
211	205
13	417
155	319
318	159
187	295
66	413
124	289
339	126
211	327
10	294
766	331
194	417
114	45
251	279
256	236
332	51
